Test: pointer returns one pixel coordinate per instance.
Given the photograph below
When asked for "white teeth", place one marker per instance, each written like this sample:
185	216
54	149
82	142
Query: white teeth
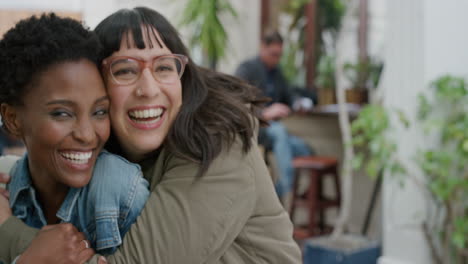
147	113
77	157
147	122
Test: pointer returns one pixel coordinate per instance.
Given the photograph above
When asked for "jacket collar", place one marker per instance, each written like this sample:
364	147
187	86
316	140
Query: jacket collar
21	183
20	179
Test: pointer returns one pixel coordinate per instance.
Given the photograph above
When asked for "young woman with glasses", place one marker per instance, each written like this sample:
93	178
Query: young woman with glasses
193	131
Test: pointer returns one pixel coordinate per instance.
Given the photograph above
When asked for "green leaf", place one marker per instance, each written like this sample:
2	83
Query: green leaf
209	32
465	145
460	234
372	168
403	118
357	161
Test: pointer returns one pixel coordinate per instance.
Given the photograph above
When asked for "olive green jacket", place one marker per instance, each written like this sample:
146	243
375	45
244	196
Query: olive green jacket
229	215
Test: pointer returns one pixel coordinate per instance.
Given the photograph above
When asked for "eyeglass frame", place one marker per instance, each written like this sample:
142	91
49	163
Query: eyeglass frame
144	64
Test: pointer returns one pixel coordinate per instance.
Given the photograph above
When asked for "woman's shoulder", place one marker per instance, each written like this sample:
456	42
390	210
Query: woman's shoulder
115	170
113	162
232	159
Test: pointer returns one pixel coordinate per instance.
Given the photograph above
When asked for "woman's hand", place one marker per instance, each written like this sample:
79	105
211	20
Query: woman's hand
60	243
276	111
4	179
5	211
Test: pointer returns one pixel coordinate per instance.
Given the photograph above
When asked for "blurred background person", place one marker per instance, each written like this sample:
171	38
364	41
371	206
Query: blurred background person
264	72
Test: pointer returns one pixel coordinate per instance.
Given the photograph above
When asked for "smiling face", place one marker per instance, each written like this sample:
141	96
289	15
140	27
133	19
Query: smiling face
142	112
63	121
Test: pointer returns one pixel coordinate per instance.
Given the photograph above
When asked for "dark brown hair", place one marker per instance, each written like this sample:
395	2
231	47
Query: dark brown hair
216	108
272	37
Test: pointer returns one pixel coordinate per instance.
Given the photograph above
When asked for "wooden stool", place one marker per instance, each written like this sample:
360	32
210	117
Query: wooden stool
314	199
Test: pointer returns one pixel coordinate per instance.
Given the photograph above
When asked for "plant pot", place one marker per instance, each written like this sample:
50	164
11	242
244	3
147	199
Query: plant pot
326	96
357	96
348	249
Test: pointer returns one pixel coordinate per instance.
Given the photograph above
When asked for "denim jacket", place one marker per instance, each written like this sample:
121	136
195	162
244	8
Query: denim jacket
103	210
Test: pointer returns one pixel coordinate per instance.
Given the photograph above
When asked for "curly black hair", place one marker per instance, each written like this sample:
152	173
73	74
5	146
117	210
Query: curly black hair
37	43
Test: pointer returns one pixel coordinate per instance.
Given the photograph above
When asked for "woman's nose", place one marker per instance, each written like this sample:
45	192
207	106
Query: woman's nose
147	85
84	131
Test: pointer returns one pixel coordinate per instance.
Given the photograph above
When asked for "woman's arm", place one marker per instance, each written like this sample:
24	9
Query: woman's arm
188	221
192	222
63	238
15	235
52	244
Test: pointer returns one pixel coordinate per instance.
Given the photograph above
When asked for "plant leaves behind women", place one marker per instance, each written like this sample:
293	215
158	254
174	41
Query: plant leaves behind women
445	164
208	31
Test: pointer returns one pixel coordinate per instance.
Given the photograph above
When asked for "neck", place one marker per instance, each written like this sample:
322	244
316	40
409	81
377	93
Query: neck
50	199
140	157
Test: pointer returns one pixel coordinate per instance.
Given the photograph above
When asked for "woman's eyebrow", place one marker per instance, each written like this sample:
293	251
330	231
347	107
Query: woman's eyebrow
60	101
103	98
71	103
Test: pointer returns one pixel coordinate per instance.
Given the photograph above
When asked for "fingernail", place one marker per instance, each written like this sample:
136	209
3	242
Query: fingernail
103	259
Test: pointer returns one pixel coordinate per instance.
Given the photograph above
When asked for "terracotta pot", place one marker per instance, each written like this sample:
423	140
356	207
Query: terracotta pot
326	96
357	96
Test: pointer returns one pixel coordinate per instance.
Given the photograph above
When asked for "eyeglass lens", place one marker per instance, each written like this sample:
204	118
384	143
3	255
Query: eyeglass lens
164	69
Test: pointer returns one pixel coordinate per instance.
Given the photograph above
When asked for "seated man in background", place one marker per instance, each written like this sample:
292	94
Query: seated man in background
264	72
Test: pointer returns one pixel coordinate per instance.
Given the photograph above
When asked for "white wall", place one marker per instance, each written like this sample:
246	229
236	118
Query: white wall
68	5
424	39
445	37
376	27
94	11
243	32
403	78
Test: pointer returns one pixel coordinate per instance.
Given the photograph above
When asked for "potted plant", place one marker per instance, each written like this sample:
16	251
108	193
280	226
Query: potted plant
339	247
328	19
325	80
363	75
443	115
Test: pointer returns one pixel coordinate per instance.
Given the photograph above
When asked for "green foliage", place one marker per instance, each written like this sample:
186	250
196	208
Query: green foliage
329	15
461	231
363	74
445	164
208	31
376	151
288	62
443	115
325	78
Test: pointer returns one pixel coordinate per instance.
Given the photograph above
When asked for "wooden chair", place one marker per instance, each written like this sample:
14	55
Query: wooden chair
314	200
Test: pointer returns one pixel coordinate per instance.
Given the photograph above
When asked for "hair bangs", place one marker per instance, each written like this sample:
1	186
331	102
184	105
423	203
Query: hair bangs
131	25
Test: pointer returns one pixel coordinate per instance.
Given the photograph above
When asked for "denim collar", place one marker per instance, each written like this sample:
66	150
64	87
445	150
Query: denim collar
23	194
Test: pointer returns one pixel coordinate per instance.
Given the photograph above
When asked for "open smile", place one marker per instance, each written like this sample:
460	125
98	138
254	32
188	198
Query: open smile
147	118
77	157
